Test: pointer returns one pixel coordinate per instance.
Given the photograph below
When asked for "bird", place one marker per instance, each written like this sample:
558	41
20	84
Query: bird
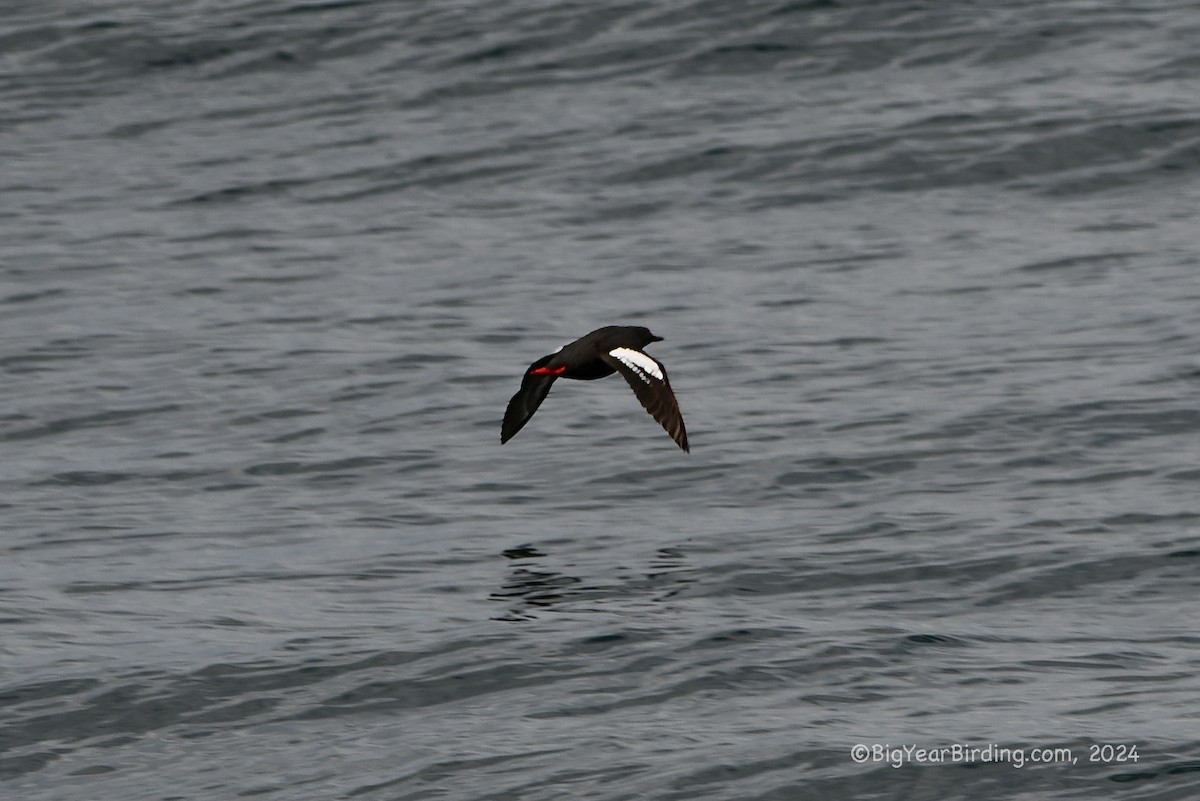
607	350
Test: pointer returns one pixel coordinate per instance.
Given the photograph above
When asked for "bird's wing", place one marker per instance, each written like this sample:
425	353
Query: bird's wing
649	380
529	397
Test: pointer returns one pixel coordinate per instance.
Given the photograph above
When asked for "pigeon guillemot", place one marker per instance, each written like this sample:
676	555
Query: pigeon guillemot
608	350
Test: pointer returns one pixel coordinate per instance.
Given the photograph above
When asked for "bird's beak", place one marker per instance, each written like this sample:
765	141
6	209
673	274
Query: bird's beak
655	339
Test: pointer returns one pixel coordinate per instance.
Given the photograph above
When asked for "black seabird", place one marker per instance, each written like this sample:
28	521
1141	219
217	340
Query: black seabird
608	350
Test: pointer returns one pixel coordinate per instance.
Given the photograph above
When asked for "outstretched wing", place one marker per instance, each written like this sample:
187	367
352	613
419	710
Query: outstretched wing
649	380
529	397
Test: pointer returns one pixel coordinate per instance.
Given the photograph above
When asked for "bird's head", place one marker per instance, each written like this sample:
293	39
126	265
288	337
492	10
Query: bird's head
647	336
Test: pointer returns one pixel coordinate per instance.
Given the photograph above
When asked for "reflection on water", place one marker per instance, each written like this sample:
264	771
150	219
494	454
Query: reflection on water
532	585
529	585
670	570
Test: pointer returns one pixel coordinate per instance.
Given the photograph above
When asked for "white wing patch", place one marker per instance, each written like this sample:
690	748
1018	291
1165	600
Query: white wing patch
640	363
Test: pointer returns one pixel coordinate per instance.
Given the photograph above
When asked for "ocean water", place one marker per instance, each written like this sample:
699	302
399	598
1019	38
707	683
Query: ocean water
927	278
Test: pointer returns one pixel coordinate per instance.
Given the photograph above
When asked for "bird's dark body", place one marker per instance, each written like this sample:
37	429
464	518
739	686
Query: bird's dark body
590	371
582	357
614	348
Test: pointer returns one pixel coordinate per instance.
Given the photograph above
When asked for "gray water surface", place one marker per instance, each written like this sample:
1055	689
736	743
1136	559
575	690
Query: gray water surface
927	282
